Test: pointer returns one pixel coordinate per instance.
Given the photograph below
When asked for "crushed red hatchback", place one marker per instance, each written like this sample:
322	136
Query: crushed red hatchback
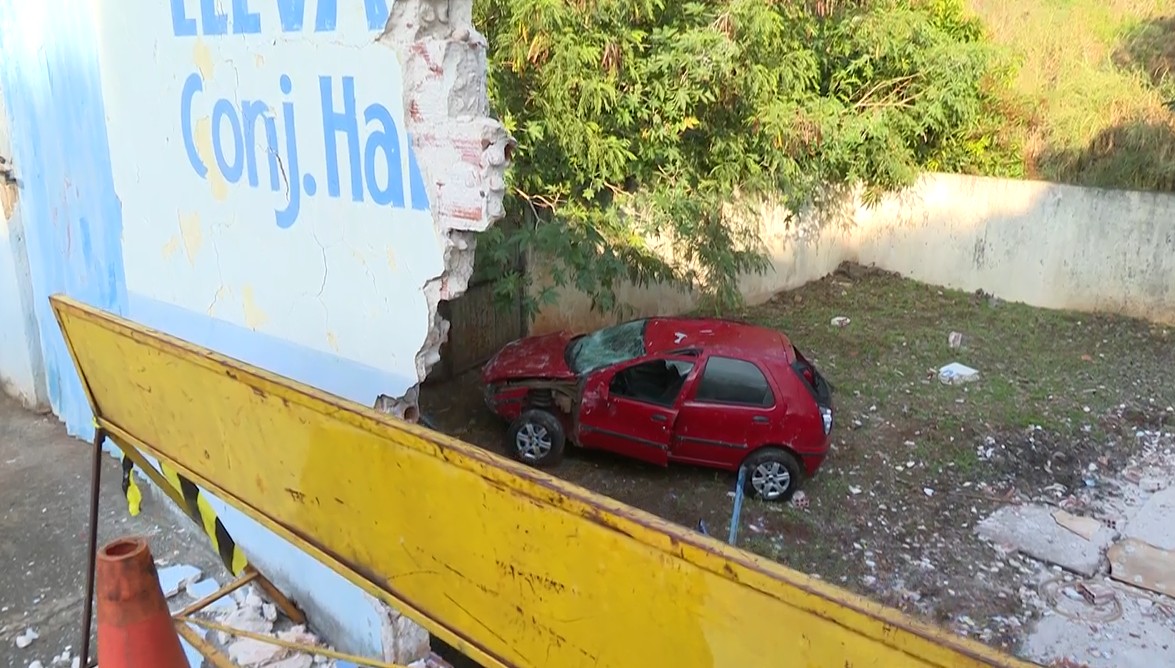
707	392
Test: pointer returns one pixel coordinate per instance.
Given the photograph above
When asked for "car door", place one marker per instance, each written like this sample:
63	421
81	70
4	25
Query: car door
729	409
630	409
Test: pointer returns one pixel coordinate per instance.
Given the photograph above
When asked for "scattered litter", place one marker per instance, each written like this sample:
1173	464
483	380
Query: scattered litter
64	657
174	578
25	639
955	340
36	664
927	491
854	490
841	321
957	374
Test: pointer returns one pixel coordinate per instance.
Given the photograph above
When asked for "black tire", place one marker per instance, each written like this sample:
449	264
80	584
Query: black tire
536	438
766	469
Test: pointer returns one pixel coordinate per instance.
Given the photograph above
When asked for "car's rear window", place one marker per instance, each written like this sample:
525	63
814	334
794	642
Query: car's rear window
727	380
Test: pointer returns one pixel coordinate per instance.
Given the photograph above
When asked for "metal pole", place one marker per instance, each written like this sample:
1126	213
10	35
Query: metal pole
92	549
738	505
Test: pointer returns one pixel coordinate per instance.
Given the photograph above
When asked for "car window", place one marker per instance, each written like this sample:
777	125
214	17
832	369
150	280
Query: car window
607	346
727	380
656	382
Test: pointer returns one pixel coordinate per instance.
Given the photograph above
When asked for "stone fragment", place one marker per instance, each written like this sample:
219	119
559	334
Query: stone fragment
1141	565
1033	530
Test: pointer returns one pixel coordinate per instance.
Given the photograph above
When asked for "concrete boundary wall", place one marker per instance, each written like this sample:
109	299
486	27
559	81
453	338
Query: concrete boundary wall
1044	244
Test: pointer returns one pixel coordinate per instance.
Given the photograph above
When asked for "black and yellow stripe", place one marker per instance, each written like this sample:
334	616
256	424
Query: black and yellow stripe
195	506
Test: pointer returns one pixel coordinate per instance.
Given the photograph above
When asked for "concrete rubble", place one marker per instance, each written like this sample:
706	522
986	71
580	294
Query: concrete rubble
245	610
1035	531
1106	591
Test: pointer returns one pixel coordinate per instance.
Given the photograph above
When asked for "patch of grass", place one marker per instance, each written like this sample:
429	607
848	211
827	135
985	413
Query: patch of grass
1096	75
1054	369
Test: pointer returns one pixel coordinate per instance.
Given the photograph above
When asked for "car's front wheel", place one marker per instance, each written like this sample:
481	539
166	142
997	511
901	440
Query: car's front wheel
773	474
537	438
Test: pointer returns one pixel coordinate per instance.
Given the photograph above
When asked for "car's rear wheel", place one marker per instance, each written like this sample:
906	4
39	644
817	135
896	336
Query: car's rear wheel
773	474
537	438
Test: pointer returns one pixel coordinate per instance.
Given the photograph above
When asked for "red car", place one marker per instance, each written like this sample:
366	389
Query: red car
708	392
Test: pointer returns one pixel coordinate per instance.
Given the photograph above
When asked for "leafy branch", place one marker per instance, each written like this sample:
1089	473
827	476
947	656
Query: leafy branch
647	127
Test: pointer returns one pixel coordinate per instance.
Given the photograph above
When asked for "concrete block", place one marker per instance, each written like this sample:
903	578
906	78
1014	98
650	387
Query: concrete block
1141	565
1035	531
1155	522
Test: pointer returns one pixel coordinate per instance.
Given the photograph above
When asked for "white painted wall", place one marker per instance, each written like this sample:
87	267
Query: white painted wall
22	374
273	208
1044	244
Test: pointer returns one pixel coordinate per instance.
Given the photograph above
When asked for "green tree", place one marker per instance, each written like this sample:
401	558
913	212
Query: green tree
641	121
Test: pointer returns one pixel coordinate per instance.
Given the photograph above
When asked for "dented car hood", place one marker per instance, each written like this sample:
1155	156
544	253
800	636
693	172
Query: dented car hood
532	357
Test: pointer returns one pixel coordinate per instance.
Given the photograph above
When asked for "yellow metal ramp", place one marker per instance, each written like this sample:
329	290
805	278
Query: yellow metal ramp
511	566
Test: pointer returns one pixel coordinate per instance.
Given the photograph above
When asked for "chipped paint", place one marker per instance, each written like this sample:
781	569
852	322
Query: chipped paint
202	57
254	316
216	180
170	248
9	194
192	234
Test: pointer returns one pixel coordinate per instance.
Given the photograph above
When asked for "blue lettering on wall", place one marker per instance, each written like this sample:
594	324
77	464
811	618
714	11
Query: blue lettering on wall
181	25
215	22
367	140
291	16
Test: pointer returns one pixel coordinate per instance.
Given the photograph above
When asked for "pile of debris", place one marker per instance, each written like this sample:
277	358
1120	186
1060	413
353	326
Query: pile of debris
244	610
1108	588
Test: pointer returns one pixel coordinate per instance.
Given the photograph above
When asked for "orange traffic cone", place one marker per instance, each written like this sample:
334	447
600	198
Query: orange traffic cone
134	625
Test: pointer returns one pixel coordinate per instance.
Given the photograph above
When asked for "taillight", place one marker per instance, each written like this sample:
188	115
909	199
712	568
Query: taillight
809	376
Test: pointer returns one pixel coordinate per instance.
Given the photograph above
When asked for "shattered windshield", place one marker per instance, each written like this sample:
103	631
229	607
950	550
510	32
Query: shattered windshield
607	346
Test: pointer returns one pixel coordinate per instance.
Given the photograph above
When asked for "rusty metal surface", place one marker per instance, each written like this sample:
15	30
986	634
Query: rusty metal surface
510	566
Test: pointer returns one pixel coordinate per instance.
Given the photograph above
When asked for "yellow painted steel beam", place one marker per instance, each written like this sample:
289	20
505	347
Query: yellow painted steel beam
508	564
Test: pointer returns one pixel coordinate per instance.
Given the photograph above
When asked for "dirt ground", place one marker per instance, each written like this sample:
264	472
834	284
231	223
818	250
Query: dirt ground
1061	402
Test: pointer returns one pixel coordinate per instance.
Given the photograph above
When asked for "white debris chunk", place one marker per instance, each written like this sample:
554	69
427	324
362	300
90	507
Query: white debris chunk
249	652
296	661
299	635
174	578
957	374
25	639
841	321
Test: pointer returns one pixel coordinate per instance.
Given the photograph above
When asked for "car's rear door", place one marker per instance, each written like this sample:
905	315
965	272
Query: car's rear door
727	411
630	409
